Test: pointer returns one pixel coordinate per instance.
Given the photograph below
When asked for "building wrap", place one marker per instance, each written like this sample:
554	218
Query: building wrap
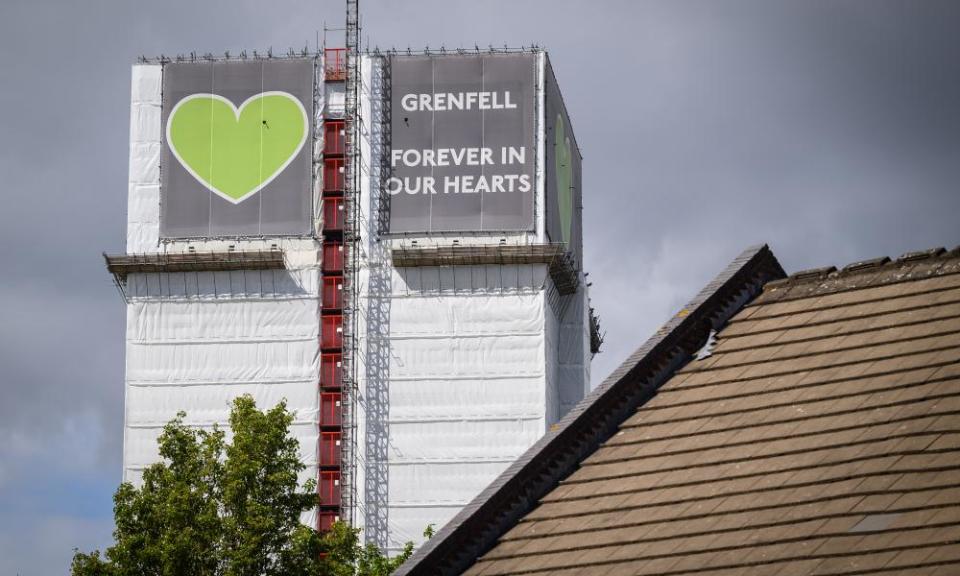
459	364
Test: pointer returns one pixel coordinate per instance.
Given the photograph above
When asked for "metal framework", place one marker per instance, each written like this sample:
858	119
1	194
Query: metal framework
596	335
122	265
331	458
563	269
377	306
351	254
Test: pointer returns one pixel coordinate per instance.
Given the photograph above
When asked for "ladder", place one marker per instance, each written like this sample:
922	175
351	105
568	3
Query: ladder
351	268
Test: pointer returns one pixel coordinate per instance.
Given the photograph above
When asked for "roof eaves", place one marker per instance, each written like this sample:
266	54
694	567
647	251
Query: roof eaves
476	528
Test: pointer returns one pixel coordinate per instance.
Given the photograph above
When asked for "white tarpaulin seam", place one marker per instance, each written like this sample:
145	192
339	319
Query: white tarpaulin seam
457	335
468	418
204	424
428	504
212	341
187	382
466	293
526	375
398	461
248	297
311	467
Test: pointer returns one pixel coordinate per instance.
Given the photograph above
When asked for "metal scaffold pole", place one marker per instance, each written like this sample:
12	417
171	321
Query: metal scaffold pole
351	247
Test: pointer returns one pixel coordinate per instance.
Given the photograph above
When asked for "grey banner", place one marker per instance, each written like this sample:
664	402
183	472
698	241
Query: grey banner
254	120
563	176
462	143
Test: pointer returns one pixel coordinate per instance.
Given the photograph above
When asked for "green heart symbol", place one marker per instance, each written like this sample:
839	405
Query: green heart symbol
563	168
236	152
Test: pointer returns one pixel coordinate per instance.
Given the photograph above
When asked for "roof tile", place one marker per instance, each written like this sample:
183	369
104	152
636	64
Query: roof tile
821	437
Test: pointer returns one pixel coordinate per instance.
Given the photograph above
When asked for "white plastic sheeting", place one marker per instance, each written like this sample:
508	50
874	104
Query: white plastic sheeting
541	176
473	397
143	200
143	442
234	285
466	386
433	485
572	350
478	280
152	405
197	340
222	362
476	376
335	100
462	368
551	352
179	322
491	438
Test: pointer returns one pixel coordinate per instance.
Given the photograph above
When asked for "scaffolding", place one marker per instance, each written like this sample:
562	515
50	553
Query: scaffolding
563	270
121	266
378	309
351	254
596	334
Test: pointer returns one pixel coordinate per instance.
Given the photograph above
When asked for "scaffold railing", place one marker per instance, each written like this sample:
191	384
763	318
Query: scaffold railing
351	243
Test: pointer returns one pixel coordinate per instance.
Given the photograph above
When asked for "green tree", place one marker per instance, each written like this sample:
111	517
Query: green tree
218	508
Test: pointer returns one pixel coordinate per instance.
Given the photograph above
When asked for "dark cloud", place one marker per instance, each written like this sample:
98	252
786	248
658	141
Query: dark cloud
829	130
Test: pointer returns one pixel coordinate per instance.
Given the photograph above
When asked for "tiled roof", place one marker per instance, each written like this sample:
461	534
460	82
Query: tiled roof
820	434
475	529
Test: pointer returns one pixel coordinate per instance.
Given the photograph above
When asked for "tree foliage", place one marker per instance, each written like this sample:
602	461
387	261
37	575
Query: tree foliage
214	507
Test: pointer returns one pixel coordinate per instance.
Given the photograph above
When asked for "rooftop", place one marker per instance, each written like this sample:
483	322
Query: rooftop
807	424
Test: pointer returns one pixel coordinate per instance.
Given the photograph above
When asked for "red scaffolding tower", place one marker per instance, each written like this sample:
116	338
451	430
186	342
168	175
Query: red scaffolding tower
331	321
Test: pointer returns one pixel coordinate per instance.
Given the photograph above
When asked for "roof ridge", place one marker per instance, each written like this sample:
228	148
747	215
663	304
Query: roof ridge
873	263
880	271
477	527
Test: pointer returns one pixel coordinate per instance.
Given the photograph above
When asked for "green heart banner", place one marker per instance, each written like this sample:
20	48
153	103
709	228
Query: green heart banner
563	172
236	151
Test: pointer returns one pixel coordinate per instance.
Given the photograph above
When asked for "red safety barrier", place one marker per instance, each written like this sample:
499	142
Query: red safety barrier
332	257
333	138
326	519
330	409
330	371
332	293
329	448
330	488
331	332
332	214
333	175
335	64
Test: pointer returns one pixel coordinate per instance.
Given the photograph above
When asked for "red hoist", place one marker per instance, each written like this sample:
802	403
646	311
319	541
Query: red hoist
331	321
338	322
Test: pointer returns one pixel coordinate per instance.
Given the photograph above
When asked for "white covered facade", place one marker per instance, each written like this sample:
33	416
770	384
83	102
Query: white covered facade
196	340
459	369
463	368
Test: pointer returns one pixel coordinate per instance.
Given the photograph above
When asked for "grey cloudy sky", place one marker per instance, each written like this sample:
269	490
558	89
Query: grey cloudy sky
830	130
